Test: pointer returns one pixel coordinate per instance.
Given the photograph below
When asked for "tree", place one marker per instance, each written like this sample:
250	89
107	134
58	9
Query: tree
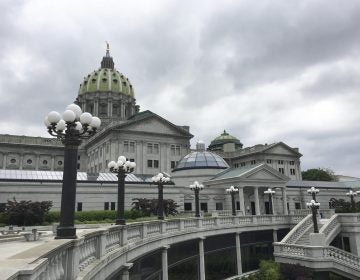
318	174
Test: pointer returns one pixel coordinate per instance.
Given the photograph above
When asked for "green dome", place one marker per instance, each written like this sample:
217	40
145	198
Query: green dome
224	138
108	80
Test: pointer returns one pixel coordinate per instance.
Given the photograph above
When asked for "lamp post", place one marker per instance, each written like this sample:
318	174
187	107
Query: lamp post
121	168
270	192
313	205
232	190
160	179
70	128
313	191
196	187
352	194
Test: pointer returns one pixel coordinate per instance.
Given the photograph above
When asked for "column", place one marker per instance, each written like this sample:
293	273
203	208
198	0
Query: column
125	271
4	161
96	107
284	201
241	199
238	254
21	162
275	235
202	258
257	203
164	262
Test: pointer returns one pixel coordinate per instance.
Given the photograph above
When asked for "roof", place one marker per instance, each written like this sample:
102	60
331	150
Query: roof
323	184
223	139
201	160
234	172
57	176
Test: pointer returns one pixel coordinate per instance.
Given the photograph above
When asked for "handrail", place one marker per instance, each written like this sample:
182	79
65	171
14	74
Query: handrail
298	230
331	228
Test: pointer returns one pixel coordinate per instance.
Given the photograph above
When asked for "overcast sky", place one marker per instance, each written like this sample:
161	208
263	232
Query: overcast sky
265	71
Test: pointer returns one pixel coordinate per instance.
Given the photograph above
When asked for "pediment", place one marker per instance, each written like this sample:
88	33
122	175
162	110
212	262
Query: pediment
264	174
188	196
281	149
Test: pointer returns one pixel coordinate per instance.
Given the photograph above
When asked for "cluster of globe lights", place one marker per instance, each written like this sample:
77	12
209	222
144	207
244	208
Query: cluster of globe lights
161	178
351	193
71	119
313	190
313	203
121	164
232	189
269	191
196	186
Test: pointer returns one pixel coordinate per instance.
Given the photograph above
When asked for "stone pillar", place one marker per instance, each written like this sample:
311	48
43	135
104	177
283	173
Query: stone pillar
125	271
202	259
284	201
37	161
241	199
164	263
4	161
21	162
257	203
96	107
238	254
275	239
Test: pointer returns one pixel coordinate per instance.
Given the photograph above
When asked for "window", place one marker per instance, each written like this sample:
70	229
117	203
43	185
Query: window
149	163
132	160
29	161
79	206
242	164
156	163
172	164
149	148
60	162
219	206
12	160
204	207
132	147
236	165
175	150
297	205
281	170
269	161
252	162
78	166
292	171
106	205
152	148
129	146
78	157
281	161
45	162
187	206
126	146
292	162
107	148
156	148
112	205
2	207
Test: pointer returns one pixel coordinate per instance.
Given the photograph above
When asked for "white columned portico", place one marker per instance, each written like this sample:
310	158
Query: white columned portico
241	199
125	272
164	262
238	253
202	258
284	201
257	203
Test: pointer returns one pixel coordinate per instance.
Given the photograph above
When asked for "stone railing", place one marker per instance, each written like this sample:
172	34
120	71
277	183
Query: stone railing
295	234
68	258
323	213
226	213
318	256
331	229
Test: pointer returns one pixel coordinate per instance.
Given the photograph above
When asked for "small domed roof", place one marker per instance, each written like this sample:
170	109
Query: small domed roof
106	79
224	138
201	160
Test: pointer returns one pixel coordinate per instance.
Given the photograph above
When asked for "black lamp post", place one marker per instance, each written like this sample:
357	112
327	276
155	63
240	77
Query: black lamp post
232	190
352	194
161	179
121	168
196	187
313	191
313	205
71	128
270	192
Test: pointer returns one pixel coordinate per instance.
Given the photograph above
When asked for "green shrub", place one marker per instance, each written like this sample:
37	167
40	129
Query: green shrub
52	217
269	270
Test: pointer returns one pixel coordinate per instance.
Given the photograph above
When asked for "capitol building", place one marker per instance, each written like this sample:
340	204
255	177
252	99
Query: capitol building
31	167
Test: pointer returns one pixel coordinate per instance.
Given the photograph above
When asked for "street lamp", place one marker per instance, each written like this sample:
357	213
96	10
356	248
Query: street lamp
196	187
313	205
232	190
313	191
70	128
270	192
352	194
160	179
121	168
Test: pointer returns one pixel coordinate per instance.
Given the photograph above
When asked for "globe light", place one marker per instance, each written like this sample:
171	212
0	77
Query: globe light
111	164
76	109
46	122
120	163
78	126
132	164
53	117
61	125
69	116
232	189
95	122
86	118
351	193
122	158
312	190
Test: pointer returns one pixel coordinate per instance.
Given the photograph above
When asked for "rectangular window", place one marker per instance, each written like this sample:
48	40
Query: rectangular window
252	162
78	166
126	146
281	170
219	206
132	147
172	150
281	161
132	160
149	163
204	207
292	162
297	205
149	148
175	150
2	207
172	164
156	163
156	148
292	171
236	165
107	148
79	206
106	205
242	164
113	205
187	206
268	161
